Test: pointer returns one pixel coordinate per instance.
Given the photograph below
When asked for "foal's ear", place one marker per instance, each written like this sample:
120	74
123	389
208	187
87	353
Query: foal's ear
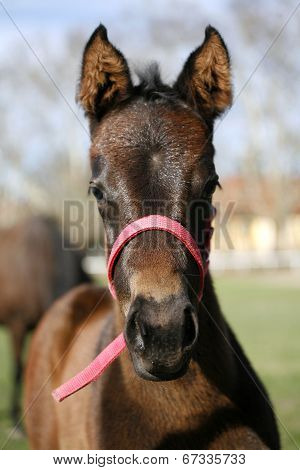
105	77
205	80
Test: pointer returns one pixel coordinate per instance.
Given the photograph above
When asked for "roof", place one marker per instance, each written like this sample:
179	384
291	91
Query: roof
260	196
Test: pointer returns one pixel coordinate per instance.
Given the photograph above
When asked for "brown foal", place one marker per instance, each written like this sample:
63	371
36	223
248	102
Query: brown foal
151	153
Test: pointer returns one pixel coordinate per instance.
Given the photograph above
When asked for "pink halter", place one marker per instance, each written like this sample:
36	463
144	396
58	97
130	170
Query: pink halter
114	349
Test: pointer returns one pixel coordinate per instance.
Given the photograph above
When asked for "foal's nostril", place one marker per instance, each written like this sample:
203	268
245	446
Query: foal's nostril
141	327
190	328
136	331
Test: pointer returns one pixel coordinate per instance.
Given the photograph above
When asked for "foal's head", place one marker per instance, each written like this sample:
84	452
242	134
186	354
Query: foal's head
152	153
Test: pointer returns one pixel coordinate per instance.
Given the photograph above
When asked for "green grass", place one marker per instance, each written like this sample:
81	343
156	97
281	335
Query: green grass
263	310
17	439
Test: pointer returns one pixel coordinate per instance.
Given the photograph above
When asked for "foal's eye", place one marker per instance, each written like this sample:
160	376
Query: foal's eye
97	193
210	187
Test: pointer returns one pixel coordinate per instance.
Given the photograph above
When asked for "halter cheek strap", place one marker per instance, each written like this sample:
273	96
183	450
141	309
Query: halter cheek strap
114	349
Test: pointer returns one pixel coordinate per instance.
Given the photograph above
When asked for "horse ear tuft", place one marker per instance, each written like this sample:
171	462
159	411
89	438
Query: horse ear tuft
105	77
205	80
102	31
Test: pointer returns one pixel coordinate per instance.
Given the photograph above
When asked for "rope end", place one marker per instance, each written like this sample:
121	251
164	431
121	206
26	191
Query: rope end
56	395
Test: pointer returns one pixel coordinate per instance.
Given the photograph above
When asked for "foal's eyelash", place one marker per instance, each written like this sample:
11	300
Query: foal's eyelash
90	187
217	182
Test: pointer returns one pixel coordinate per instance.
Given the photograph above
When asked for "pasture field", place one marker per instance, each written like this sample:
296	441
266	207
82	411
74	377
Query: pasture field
264	311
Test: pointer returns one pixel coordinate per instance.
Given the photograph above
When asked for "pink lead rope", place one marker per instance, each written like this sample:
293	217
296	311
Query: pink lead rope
115	348
92	371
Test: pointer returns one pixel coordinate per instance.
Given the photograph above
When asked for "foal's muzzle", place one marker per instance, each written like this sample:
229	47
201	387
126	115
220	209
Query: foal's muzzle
160	336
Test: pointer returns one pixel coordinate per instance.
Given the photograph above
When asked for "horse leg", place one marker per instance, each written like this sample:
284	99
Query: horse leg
17	332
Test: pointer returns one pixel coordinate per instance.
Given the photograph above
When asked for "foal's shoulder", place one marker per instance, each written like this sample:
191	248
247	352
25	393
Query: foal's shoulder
72	311
77	305
82	301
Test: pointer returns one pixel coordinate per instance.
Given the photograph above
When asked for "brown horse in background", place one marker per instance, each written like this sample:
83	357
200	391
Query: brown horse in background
151	153
34	270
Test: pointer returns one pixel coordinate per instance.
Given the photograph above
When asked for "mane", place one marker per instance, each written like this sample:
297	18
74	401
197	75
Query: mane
150	85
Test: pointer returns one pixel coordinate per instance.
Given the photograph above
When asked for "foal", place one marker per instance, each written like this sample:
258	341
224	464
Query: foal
184	381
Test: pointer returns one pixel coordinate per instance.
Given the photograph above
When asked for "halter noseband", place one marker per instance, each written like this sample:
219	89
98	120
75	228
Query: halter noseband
115	348
156	222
